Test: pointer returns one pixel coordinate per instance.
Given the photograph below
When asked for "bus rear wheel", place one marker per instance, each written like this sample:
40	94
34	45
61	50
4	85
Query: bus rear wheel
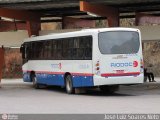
34	80
109	89
69	85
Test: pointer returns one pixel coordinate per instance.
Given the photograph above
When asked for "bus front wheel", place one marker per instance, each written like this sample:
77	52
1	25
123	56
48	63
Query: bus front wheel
69	85
34	80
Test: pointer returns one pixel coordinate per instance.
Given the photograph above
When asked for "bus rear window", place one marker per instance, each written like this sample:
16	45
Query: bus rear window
119	42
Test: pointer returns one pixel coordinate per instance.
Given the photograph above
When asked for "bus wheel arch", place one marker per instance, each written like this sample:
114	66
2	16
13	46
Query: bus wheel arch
34	79
69	83
32	73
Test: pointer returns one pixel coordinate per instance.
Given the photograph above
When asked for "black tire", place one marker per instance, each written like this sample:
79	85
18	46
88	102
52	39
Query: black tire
34	81
109	89
69	85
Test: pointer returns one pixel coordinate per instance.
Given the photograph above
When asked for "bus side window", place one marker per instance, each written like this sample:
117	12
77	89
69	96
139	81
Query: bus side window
65	49
88	53
70	48
75	48
54	49
88	48
81	53
47	49
81	50
29	51
39	50
59	50
33	50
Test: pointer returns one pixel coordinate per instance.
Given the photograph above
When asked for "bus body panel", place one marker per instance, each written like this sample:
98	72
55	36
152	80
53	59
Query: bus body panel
52	72
119	65
118	80
122	71
117	68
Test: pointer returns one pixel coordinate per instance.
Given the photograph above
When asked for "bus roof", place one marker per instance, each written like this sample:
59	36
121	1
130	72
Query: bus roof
82	32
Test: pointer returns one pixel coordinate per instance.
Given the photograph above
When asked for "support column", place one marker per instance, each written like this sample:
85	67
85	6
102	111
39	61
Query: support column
111	13
32	18
113	21
33	27
63	22
1	61
136	20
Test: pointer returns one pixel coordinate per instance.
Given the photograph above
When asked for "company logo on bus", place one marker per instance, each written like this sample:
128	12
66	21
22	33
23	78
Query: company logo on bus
135	63
56	66
125	64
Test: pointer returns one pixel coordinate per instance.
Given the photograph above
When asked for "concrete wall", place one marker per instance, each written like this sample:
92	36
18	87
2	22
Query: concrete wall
12	39
149	32
12	63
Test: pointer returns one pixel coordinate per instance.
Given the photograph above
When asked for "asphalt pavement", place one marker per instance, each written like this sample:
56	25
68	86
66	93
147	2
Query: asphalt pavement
19	97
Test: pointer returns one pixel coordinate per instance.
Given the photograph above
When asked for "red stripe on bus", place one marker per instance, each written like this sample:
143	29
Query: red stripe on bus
76	74
119	74
48	72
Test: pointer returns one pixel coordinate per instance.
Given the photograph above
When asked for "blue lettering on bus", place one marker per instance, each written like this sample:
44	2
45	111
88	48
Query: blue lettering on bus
126	64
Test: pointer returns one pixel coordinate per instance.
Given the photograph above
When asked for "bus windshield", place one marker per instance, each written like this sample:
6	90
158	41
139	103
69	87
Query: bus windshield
119	42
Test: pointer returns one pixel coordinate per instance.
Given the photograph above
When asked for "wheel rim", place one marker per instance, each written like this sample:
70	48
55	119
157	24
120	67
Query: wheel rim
34	81
69	84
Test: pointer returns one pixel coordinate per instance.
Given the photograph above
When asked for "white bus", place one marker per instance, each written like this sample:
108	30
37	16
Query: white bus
104	58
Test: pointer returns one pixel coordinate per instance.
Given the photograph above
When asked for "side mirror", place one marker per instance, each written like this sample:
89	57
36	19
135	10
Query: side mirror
22	50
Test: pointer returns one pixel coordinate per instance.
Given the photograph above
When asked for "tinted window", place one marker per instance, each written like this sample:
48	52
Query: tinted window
82	48
48	49
119	42
75	48
59	50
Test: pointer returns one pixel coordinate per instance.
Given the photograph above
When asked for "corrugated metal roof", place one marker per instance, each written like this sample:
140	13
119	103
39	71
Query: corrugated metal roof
59	8
21	1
